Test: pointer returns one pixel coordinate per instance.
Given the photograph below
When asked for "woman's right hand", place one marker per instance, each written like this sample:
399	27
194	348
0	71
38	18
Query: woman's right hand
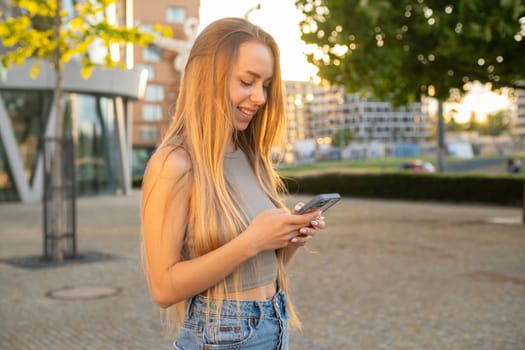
275	228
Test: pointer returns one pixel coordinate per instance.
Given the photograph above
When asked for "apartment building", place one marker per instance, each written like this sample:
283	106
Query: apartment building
518	126
299	98
164	60
318	112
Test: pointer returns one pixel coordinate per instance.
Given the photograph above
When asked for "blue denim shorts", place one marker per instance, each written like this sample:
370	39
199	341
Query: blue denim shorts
253	325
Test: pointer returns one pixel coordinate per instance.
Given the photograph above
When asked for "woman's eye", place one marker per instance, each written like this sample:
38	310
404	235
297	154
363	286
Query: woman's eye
246	83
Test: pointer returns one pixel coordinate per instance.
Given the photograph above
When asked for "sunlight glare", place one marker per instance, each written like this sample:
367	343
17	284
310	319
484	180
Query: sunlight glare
277	17
481	101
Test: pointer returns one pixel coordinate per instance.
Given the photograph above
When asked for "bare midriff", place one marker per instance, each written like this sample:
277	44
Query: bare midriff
259	294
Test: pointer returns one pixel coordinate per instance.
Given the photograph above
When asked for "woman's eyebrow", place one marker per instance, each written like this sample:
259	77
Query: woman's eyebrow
257	75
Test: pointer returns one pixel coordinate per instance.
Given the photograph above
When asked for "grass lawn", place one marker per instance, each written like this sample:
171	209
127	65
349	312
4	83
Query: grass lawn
497	165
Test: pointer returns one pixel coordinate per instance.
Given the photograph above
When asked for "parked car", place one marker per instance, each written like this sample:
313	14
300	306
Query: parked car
419	166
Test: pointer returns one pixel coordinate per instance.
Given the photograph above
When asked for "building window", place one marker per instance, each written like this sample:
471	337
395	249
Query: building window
149	133
151	112
149	68
96	166
154	93
175	14
27	113
152	54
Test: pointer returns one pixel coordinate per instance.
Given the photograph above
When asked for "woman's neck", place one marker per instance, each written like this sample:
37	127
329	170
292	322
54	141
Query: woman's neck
231	147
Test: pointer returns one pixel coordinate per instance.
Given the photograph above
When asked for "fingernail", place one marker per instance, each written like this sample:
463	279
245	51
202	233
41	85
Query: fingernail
294	240
314	223
298	206
303	230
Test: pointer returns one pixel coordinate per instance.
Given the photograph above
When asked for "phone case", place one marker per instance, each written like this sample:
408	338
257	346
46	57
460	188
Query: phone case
320	202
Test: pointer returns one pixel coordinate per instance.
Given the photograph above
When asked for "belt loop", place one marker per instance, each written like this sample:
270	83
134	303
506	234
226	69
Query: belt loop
189	304
261	315
276	303
281	298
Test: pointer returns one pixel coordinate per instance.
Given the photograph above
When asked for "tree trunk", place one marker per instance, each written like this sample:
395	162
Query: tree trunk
441	160
523	205
56	192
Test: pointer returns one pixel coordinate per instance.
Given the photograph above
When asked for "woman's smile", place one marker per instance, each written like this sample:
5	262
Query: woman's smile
246	114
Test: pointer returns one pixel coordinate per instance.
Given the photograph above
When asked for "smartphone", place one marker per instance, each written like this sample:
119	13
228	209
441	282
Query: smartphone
320	202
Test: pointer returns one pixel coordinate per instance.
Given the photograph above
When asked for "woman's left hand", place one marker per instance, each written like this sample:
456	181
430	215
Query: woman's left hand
307	232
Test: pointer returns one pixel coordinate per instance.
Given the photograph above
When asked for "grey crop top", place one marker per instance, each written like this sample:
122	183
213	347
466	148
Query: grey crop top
261	269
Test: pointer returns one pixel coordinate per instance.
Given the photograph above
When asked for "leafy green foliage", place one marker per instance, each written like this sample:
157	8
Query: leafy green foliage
449	188
33	34
453	125
342	137
494	125
404	49
497	123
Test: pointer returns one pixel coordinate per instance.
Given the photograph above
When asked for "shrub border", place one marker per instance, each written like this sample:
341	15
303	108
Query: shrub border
500	190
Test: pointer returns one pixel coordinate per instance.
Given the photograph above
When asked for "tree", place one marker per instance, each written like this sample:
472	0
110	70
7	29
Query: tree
403	50
473	124
496	123
342	138
45	31
453	125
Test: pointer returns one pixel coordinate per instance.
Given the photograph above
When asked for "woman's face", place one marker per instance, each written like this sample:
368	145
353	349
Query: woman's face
251	76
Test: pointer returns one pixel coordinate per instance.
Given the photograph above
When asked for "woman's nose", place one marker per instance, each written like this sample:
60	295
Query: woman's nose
259	95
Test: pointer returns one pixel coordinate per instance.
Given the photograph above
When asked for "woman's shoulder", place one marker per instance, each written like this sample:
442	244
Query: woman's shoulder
170	161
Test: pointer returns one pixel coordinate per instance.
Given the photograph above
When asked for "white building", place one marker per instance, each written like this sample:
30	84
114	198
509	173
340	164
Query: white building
518	125
318	112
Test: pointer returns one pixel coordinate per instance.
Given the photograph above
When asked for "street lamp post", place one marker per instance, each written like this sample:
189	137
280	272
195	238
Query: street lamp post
250	10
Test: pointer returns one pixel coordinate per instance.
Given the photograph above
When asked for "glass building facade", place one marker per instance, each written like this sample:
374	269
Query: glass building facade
27	112
96	116
96	144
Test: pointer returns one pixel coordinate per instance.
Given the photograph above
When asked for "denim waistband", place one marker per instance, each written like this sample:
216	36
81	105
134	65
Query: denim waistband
274	307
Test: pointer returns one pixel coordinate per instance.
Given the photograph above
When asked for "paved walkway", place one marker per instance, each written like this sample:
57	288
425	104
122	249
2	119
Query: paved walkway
384	275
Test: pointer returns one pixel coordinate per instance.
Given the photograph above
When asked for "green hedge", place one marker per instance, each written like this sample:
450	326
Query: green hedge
463	188
501	190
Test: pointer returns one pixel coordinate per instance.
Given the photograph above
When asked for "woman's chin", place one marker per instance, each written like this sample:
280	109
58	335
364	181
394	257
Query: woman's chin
242	124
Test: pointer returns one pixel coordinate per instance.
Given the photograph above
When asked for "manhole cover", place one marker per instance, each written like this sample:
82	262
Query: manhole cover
83	292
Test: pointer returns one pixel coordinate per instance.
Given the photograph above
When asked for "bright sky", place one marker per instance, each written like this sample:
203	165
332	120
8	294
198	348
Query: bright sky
280	18
480	100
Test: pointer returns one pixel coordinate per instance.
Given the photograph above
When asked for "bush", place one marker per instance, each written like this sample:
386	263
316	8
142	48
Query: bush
501	190
455	188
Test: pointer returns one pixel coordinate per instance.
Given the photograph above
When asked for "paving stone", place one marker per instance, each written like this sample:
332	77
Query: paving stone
383	275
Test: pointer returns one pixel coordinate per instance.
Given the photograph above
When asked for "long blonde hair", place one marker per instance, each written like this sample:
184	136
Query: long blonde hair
202	124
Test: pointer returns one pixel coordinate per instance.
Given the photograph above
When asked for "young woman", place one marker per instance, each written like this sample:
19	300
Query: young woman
217	235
